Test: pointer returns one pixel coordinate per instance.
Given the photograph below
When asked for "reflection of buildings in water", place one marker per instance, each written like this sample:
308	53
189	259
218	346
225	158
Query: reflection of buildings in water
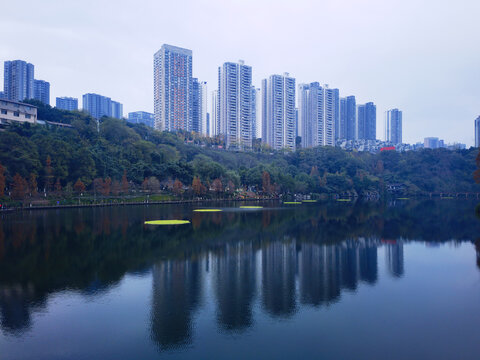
176	294
278	278
368	260
235	285
319	273
16	306
394	257
324	270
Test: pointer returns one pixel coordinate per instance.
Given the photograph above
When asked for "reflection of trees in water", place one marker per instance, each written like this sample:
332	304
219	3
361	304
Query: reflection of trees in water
70	249
175	296
234	283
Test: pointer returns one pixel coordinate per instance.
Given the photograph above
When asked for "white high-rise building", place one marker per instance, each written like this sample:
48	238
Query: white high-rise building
214	121
318	114
235	105
203	91
393	126
477	132
173	88
279	121
258	113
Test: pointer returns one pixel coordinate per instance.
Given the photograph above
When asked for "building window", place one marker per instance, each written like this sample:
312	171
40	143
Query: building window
16	113
27	116
4	112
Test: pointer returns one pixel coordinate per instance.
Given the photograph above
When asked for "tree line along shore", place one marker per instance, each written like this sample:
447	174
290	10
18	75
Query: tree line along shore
114	161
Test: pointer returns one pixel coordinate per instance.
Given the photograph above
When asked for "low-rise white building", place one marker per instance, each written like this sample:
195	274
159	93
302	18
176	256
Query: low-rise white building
16	111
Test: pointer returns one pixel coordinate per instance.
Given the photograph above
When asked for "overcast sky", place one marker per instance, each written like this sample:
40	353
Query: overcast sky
422	57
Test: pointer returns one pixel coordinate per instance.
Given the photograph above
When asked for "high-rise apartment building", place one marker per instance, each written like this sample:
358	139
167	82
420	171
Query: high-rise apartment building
18	80
348	119
117	110
41	91
2	95
367	121
256	113
173	88
214	119
98	106
393	126
199	107
280	111
141	117
431	143
477	132
318	114
235	105
67	103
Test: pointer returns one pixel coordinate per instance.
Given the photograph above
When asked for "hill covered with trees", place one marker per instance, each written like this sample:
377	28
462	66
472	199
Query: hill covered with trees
117	157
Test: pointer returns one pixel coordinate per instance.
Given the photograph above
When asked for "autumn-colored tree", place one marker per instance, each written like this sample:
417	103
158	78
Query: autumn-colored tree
48	174
116	187
230	187
79	186
19	187
314	171
323	180
145	184
217	186
380	167
2	180
266	183
98	185
32	184
124	182
177	187
107	186
58	186
198	187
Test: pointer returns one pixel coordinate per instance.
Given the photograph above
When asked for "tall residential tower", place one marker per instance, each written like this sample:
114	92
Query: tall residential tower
393	126
173	88
235	105
18	77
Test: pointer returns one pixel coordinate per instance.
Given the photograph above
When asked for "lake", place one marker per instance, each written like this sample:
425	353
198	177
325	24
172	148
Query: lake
332	280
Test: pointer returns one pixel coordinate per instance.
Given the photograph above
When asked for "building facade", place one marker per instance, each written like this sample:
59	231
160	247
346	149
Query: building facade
235	105
14	111
477	132
348	119
173	88
280	112
214	126
66	103
318	114
393	126
199	110
431	143
18	77
141	117
366	122
98	106
42	91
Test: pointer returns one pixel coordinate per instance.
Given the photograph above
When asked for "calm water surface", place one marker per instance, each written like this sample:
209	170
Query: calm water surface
325	280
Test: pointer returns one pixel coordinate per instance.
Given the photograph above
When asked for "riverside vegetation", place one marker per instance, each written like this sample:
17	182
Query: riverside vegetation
121	161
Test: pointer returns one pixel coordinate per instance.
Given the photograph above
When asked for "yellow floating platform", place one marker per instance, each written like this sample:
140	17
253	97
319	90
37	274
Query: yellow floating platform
207	210
309	201
167	222
345	200
292	202
251	207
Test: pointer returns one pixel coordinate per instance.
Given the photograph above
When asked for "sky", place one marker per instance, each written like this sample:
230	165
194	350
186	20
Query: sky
420	56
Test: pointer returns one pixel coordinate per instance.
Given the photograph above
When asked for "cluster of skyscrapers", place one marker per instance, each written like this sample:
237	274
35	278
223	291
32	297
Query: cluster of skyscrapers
241	113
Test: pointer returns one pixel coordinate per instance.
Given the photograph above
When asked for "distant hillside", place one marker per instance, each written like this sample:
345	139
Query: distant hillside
143	153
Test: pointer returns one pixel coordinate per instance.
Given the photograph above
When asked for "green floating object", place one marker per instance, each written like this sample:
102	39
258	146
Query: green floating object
251	207
309	201
346	200
292	202
167	222
207	210
402	198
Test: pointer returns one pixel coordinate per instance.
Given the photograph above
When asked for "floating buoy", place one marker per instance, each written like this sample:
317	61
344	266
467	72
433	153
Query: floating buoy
251	207
207	210
167	222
